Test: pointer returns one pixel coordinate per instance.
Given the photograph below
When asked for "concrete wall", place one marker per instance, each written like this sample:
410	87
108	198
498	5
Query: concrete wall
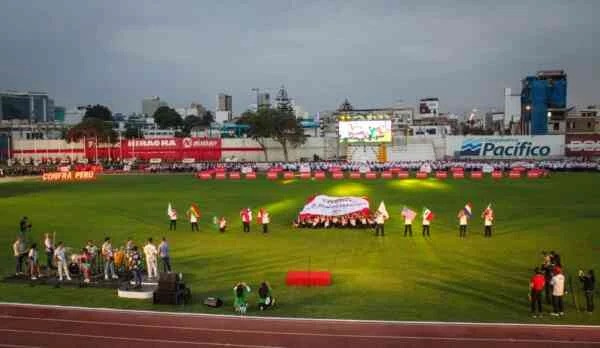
250	150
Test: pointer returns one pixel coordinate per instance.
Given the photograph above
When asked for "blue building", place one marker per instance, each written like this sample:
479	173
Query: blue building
543	98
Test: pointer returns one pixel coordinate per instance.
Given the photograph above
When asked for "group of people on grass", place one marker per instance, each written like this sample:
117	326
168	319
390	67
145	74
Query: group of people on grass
90	259
242	290
263	218
549	279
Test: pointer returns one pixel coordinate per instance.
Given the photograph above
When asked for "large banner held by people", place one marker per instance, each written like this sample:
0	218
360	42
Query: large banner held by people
323	205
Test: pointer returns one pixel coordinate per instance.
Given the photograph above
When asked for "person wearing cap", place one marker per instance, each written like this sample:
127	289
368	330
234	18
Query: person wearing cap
558	291
536	286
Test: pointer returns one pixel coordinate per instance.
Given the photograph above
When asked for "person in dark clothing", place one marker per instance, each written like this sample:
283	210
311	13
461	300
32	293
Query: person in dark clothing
555	259
24	225
588	281
547	268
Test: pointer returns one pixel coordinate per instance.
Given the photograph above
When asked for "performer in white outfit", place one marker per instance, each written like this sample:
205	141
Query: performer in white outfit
61	262
151	259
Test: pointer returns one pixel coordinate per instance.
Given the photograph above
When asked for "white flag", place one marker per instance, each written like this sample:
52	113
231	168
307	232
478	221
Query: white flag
383	211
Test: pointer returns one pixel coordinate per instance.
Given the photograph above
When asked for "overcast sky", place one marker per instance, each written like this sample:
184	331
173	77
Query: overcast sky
115	52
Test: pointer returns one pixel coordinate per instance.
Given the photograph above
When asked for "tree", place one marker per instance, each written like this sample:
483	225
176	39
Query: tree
260	126
133	132
92	128
287	130
98	111
190	123
208	118
166	117
281	125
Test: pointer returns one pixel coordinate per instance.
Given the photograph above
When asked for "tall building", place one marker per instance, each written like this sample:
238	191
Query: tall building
282	101
59	113
150	104
512	108
264	100
28	106
543	99
429	107
224	102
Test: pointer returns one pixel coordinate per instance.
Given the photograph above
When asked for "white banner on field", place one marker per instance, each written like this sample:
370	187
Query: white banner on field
506	147
335	206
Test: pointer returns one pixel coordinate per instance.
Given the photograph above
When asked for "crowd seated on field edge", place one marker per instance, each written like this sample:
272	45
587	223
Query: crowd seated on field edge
343	221
175	167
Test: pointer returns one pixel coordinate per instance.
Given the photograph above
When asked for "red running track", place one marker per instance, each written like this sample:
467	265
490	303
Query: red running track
25	326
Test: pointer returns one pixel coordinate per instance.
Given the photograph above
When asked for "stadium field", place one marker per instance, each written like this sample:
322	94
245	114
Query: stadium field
442	278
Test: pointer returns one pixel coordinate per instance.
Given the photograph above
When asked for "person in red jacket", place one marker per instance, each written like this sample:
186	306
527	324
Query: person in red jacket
536	285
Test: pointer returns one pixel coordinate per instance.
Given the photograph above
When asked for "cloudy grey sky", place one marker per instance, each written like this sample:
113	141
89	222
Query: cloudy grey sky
116	52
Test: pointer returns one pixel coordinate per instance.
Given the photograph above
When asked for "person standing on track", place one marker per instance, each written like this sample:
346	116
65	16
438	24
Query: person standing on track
151	259
558	292
536	286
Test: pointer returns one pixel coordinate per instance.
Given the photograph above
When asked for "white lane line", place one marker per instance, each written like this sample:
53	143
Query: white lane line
274	318
133	339
311	334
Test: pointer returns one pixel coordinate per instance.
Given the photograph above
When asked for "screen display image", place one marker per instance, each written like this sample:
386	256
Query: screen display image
366	131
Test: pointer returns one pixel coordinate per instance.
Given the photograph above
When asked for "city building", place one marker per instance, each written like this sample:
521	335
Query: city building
543	99
75	115
428	107
264	100
512	109
150	104
224	102
282	101
30	106
493	121
584	121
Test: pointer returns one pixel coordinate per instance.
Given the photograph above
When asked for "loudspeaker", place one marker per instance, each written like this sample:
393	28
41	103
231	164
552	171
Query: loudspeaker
168	297
168	282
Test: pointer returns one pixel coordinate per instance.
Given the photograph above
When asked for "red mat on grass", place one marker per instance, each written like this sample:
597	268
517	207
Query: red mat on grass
308	278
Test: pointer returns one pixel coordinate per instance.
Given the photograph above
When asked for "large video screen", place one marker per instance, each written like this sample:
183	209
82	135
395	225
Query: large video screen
366	131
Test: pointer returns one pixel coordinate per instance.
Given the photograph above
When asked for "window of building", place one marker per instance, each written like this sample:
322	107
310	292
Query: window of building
555	126
589	125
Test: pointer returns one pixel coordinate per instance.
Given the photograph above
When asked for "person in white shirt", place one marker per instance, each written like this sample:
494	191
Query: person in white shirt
109	260
380	222
151	259
32	256
20	252
407	226
426	224
61	262
173	220
265	219
558	291
462	223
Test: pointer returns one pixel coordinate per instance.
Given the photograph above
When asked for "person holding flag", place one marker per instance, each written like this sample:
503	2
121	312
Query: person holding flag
246	215
264	219
380	216
172	214
427	218
194	215
463	219
488	220
222	224
409	216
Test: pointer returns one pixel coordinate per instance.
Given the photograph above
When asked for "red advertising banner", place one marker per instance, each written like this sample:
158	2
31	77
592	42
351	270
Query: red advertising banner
422	175
251	176
69	176
288	175
272	175
337	175
458	174
170	149
355	175
305	175
386	175
441	175
533	174
583	145
496	174
514	174
234	175
319	175
403	174
220	176
371	175
204	176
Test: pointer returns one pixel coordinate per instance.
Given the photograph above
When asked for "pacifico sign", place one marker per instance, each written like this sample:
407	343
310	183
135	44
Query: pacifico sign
506	147
69	176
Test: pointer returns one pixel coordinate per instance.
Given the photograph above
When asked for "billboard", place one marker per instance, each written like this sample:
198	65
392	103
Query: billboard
507	147
583	145
429	107
168	149
379	131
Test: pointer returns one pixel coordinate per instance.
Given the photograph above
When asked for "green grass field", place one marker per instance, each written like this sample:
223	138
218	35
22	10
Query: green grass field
391	278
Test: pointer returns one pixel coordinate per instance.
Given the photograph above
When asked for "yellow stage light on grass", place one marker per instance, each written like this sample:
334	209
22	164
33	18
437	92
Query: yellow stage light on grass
419	184
348	189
